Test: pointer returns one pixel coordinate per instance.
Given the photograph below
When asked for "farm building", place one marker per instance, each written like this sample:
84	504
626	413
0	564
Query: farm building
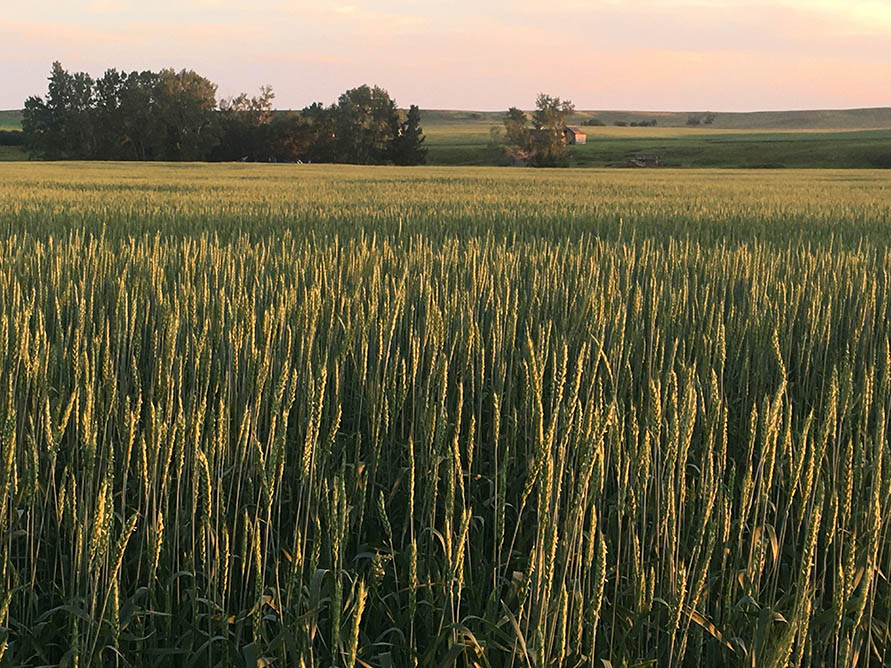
574	135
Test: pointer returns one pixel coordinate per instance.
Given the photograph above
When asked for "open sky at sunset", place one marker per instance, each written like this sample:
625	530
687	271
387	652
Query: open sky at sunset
722	55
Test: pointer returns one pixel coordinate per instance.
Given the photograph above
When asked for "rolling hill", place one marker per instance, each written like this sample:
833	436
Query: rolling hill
830	119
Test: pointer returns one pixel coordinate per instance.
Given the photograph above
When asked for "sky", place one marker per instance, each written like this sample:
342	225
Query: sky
653	55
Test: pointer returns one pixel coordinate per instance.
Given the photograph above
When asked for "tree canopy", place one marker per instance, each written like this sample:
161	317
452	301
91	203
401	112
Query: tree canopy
365	125
170	115
542	143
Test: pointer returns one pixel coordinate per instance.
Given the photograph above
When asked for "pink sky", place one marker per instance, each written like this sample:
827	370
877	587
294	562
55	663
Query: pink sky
722	55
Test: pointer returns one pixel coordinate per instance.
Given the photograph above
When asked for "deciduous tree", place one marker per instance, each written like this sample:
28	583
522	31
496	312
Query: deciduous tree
186	104
363	125
60	125
550	117
516	129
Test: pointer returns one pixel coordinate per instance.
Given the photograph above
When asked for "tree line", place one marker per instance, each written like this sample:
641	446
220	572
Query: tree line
173	116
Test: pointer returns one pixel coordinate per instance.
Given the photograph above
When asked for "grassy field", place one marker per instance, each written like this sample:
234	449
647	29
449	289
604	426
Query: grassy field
859	138
10	120
844	119
741	149
837	119
466	143
305	415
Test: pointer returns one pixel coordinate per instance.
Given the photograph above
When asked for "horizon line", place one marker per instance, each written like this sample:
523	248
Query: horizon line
624	111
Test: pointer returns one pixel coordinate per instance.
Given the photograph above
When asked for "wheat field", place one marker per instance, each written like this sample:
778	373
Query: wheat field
332	416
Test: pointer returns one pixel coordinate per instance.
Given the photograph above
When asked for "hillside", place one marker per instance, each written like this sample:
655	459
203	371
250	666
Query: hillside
857	138
11	119
832	119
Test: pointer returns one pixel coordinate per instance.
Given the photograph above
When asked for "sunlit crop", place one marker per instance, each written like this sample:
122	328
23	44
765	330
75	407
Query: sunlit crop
314	416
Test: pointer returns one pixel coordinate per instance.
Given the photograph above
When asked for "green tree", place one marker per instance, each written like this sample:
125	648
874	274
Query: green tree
244	127
289	137
408	143
322	144
516	129
60	126
108	115
37	126
255	110
364	121
143	133
186	109
549	144
126	116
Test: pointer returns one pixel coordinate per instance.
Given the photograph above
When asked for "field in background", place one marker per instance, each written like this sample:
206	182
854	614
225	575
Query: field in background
10	120
752	141
741	149
854	119
836	119
312	415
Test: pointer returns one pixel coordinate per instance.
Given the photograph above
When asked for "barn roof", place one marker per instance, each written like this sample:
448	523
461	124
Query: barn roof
576	130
